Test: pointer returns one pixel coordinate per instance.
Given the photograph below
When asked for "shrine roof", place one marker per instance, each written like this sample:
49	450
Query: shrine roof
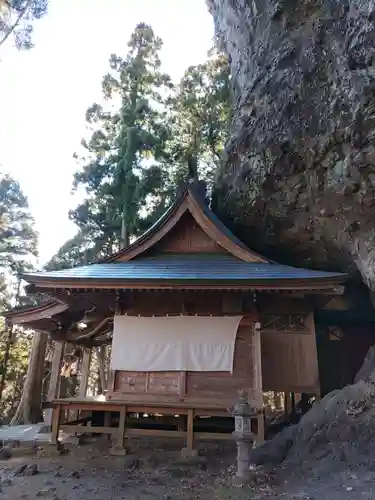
190	201
186	268
190	246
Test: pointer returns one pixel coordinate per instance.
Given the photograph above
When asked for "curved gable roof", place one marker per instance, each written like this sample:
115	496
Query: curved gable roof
189	201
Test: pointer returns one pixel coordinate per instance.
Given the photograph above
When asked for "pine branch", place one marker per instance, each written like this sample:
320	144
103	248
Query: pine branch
17	22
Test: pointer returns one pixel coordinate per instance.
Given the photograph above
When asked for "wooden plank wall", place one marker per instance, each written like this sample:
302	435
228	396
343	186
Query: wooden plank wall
219	388
223	386
187	237
290	360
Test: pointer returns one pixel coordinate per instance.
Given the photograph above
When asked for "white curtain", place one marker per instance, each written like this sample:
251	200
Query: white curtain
168	343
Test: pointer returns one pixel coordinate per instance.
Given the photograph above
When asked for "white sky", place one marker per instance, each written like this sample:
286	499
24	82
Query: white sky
44	93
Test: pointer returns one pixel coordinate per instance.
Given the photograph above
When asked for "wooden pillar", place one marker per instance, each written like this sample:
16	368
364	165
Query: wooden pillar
54	383
258	382
189	451
85	372
293	405
120	448
65	389
181	423
56	415
83	380
297	398
110	383
287	405
310	321
101	360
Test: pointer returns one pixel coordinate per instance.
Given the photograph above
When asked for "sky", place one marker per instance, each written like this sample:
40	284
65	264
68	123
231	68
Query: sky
45	92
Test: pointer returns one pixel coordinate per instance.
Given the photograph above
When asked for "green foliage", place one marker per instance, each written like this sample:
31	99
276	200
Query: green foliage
16	18
73	253
201	116
19	353
18	244
143	136
128	131
18	239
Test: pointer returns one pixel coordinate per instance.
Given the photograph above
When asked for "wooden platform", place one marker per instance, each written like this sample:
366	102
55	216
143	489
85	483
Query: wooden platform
186	412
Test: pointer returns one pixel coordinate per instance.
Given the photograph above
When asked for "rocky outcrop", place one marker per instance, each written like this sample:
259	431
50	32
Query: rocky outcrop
338	430
298	174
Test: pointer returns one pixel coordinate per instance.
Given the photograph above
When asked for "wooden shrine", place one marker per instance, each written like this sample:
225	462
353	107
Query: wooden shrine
192	314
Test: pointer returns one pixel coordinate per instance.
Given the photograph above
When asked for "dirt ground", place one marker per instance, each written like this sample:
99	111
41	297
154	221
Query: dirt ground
154	470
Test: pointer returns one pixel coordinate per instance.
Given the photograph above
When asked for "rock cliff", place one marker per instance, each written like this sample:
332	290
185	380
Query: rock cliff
298	173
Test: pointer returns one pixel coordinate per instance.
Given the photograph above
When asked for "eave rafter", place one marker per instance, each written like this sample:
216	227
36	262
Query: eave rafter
52	286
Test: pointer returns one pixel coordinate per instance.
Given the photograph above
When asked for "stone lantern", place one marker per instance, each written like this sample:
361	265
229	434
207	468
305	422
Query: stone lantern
243	413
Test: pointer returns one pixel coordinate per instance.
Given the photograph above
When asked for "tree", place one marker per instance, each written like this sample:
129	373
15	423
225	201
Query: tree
16	17
201	111
128	133
18	246
29	407
298	169
18	242
18	239
75	252
185	125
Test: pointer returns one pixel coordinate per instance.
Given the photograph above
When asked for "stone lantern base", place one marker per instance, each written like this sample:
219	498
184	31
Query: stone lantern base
244	441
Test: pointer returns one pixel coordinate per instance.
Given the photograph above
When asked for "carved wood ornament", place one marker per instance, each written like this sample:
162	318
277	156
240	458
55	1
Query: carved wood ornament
285	323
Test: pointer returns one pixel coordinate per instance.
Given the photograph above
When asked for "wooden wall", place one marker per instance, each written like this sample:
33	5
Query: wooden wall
289	362
187	237
202	302
289	355
281	359
214	388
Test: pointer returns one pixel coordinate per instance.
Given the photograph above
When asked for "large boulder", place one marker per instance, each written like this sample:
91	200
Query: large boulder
298	173
367	370
339	429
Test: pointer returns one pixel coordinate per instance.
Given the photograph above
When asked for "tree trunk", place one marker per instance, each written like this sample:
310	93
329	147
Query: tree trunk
4	365
8	343
124	226
298	172
29	408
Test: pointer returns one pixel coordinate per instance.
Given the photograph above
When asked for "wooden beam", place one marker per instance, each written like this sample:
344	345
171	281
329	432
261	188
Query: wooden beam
340	304
45	311
95	330
154	432
87	429
317	285
54	383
